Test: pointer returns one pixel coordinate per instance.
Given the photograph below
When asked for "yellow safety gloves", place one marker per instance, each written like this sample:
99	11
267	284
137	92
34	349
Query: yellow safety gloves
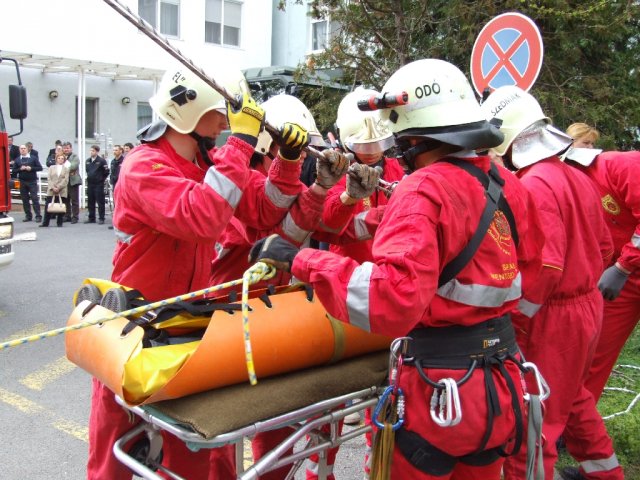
292	140
247	120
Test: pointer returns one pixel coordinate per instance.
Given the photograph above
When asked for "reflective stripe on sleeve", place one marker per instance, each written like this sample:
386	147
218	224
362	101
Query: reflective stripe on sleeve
278	198
601	465
528	308
362	233
220	250
325	228
635	240
480	295
122	236
358	296
292	230
223	186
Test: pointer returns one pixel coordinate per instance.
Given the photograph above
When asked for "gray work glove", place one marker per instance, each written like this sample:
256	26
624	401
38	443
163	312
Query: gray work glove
362	181
331	166
611	282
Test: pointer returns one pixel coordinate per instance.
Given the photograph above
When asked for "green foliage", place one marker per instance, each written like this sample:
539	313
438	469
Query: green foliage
592	51
623	429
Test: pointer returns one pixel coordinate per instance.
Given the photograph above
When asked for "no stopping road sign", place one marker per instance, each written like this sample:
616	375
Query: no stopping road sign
508	51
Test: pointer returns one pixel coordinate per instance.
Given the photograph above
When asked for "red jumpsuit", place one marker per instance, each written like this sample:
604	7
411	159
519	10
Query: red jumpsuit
430	218
560	319
230	264
613	173
337	218
616	175
170	213
353	238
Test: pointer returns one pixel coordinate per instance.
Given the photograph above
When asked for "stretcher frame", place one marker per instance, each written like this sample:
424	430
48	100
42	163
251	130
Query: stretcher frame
303	421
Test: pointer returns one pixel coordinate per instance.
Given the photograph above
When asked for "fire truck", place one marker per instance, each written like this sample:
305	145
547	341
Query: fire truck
17	111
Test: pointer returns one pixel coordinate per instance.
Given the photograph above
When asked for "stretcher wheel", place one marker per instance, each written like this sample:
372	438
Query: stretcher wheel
140	452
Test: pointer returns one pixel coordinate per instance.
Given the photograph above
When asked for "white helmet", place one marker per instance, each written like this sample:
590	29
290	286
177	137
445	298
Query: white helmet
283	108
183	98
362	132
525	127
441	106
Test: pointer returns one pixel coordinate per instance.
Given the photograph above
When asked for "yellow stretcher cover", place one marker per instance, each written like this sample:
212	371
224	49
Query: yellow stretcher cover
293	334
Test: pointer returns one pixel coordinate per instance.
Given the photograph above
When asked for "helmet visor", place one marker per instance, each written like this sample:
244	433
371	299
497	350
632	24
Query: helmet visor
370	147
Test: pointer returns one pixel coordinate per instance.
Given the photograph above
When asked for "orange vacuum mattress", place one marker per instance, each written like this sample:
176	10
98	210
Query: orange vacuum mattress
294	333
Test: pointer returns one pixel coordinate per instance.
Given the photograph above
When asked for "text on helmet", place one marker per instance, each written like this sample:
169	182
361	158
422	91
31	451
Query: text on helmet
426	90
178	77
503	103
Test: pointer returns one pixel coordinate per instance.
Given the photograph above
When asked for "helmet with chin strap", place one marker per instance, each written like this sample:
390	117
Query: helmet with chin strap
527	130
441	107
283	108
362	132
183	98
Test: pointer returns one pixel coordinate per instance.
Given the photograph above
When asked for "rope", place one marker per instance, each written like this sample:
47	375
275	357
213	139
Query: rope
624	390
259	271
383	445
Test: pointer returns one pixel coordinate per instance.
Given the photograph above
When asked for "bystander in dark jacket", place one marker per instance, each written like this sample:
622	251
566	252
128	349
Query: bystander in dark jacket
97	172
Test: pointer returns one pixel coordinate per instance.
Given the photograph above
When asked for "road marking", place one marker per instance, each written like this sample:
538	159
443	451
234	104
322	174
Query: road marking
36	329
49	373
29	407
3	313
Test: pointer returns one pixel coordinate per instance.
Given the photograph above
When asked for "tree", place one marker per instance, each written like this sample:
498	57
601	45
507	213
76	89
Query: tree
591	51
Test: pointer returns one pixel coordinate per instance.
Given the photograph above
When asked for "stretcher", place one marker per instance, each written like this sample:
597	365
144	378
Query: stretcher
303	401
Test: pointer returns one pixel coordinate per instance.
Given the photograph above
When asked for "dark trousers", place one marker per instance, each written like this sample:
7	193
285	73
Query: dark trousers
95	194
73	202
48	216
28	195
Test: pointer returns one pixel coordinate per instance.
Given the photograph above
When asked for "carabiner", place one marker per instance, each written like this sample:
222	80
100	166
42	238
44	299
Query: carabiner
543	387
399	407
444	408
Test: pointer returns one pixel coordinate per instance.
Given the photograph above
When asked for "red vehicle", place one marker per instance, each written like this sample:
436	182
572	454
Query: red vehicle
17	111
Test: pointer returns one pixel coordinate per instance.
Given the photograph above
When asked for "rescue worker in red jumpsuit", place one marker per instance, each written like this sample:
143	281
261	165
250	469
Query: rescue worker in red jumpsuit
561	316
462	339
364	135
175	196
300	221
615	176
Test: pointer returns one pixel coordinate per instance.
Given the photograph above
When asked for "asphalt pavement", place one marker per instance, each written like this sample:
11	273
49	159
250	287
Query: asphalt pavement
44	399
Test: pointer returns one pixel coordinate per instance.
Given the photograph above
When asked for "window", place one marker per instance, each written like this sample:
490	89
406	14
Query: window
222	19
90	117
165	13
322	31
145	115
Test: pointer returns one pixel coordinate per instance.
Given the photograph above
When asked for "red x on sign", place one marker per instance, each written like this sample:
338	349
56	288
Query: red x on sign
508	51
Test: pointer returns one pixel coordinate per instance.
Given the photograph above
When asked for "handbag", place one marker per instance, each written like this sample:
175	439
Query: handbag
56	206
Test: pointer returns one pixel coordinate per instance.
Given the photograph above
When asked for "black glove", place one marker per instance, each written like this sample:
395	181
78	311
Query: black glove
292	139
611	282
275	251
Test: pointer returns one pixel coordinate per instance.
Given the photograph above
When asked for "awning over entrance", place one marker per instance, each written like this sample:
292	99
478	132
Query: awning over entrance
48	64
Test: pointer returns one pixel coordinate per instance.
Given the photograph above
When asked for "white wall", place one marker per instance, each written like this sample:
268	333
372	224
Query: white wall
92	30
291	34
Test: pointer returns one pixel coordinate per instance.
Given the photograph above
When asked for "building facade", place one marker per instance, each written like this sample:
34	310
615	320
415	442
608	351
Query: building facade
89	72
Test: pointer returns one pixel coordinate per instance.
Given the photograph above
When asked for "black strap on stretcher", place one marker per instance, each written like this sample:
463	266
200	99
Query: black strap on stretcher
492	183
